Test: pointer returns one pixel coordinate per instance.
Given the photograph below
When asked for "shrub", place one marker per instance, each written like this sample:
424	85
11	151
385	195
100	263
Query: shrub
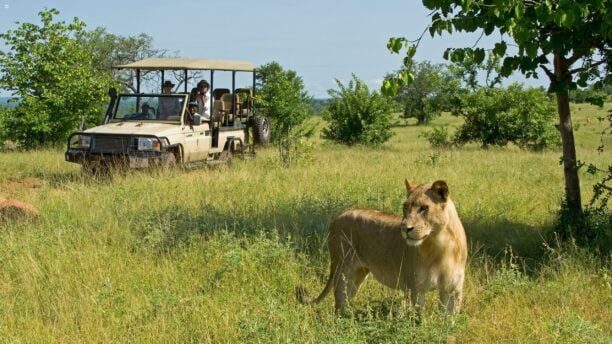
357	115
438	137
281	96
496	116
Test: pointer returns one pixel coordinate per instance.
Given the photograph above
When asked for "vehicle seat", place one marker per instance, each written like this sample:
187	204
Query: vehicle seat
222	109
218	92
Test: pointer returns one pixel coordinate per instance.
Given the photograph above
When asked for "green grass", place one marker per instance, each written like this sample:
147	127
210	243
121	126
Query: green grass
213	255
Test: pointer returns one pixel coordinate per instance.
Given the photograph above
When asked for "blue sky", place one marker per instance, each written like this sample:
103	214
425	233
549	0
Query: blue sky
320	40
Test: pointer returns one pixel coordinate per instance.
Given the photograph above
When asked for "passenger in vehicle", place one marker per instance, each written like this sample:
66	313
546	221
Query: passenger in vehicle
145	110
193	112
168	106
202	96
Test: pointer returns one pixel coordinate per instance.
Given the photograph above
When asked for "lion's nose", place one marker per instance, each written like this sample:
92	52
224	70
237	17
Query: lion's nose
405	224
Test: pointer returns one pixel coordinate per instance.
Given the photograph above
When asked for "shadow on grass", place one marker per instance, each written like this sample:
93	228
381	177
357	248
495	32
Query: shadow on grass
304	223
493	237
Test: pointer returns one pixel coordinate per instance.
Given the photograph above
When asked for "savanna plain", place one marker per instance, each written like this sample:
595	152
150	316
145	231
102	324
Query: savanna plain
213	255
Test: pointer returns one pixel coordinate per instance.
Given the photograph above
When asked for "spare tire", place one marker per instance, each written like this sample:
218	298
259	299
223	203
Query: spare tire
261	131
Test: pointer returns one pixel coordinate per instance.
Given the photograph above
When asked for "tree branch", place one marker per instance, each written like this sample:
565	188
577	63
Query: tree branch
549	73
581	69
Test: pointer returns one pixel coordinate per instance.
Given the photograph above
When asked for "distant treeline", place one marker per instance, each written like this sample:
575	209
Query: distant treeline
318	105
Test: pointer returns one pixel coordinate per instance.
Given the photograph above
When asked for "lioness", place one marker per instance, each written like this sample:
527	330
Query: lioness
423	251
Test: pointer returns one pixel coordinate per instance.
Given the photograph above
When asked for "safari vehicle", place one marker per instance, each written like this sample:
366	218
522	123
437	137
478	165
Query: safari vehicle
136	133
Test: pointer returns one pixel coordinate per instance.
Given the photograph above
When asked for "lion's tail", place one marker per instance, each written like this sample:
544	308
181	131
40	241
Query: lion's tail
302	295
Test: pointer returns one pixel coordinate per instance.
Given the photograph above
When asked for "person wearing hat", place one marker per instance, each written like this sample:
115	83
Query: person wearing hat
201	94
168	106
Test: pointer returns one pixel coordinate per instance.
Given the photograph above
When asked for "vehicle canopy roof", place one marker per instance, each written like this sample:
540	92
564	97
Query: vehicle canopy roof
191	64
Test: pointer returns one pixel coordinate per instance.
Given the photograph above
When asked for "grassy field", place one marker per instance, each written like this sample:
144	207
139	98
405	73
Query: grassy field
214	255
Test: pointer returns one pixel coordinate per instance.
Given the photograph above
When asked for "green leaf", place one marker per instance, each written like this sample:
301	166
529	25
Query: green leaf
411	51
500	49
395	44
488	28
479	55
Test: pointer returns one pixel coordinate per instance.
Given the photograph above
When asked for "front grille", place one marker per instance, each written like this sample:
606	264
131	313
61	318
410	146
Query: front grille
111	144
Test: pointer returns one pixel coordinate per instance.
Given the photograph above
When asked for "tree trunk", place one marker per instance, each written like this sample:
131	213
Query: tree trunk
570	163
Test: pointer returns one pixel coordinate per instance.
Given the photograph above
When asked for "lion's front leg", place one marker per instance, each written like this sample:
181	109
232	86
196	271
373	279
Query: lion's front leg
450	301
417	299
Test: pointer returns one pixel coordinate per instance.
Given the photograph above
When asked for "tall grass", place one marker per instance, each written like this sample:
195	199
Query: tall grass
213	255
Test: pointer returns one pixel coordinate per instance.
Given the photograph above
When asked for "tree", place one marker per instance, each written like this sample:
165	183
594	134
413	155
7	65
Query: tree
52	75
112	50
553	35
357	115
430	92
282	98
470	71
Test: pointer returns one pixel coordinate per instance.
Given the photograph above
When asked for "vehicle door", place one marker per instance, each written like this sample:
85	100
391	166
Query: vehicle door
197	140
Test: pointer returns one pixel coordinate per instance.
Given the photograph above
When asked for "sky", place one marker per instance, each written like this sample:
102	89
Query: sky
321	40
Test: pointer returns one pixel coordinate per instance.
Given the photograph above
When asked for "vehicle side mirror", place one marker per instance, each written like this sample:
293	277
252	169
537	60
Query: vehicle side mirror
197	119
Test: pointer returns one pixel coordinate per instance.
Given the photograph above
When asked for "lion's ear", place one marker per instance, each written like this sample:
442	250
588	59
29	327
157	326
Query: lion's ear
410	185
440	189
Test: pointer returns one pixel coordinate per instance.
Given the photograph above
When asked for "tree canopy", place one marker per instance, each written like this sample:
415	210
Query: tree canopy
52	76
111	50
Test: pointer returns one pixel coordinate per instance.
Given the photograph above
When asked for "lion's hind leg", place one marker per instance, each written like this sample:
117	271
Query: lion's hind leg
348	285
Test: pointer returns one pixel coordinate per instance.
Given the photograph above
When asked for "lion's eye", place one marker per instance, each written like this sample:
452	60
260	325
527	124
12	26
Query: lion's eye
423	209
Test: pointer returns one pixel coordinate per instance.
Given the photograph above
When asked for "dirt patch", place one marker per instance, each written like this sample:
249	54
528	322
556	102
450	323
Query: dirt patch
12	209
25	183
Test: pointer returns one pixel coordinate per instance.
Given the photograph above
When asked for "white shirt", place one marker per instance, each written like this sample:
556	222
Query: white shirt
204	104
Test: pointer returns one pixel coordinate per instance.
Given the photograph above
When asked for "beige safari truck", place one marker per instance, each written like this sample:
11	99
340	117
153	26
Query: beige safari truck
137	134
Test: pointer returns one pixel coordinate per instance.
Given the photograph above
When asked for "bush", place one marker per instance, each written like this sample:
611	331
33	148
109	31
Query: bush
358	116
438	137
282	98
496	116
588	95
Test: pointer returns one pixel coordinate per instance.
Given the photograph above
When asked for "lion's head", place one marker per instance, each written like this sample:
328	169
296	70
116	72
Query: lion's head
424	211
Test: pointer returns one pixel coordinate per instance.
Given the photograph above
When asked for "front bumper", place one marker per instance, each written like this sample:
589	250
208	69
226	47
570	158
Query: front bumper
116	150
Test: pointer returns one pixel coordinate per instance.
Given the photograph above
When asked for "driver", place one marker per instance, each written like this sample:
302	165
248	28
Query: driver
145	110
168	106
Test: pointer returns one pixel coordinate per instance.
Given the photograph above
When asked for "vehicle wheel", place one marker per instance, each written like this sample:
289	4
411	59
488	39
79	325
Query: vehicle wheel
261	131
169	161
226	157
227	154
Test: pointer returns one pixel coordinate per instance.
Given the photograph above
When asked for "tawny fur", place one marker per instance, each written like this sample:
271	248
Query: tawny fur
422	251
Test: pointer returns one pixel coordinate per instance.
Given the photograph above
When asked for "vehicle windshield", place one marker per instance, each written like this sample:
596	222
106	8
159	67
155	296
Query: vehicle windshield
158	107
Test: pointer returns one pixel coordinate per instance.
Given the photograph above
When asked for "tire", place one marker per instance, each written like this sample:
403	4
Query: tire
169	162
261	131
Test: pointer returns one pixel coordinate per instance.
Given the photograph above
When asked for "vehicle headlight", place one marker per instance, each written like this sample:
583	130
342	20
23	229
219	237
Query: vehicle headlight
145	143
80	142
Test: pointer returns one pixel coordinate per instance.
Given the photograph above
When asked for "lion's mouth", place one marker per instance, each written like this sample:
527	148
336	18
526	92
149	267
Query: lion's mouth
413	241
